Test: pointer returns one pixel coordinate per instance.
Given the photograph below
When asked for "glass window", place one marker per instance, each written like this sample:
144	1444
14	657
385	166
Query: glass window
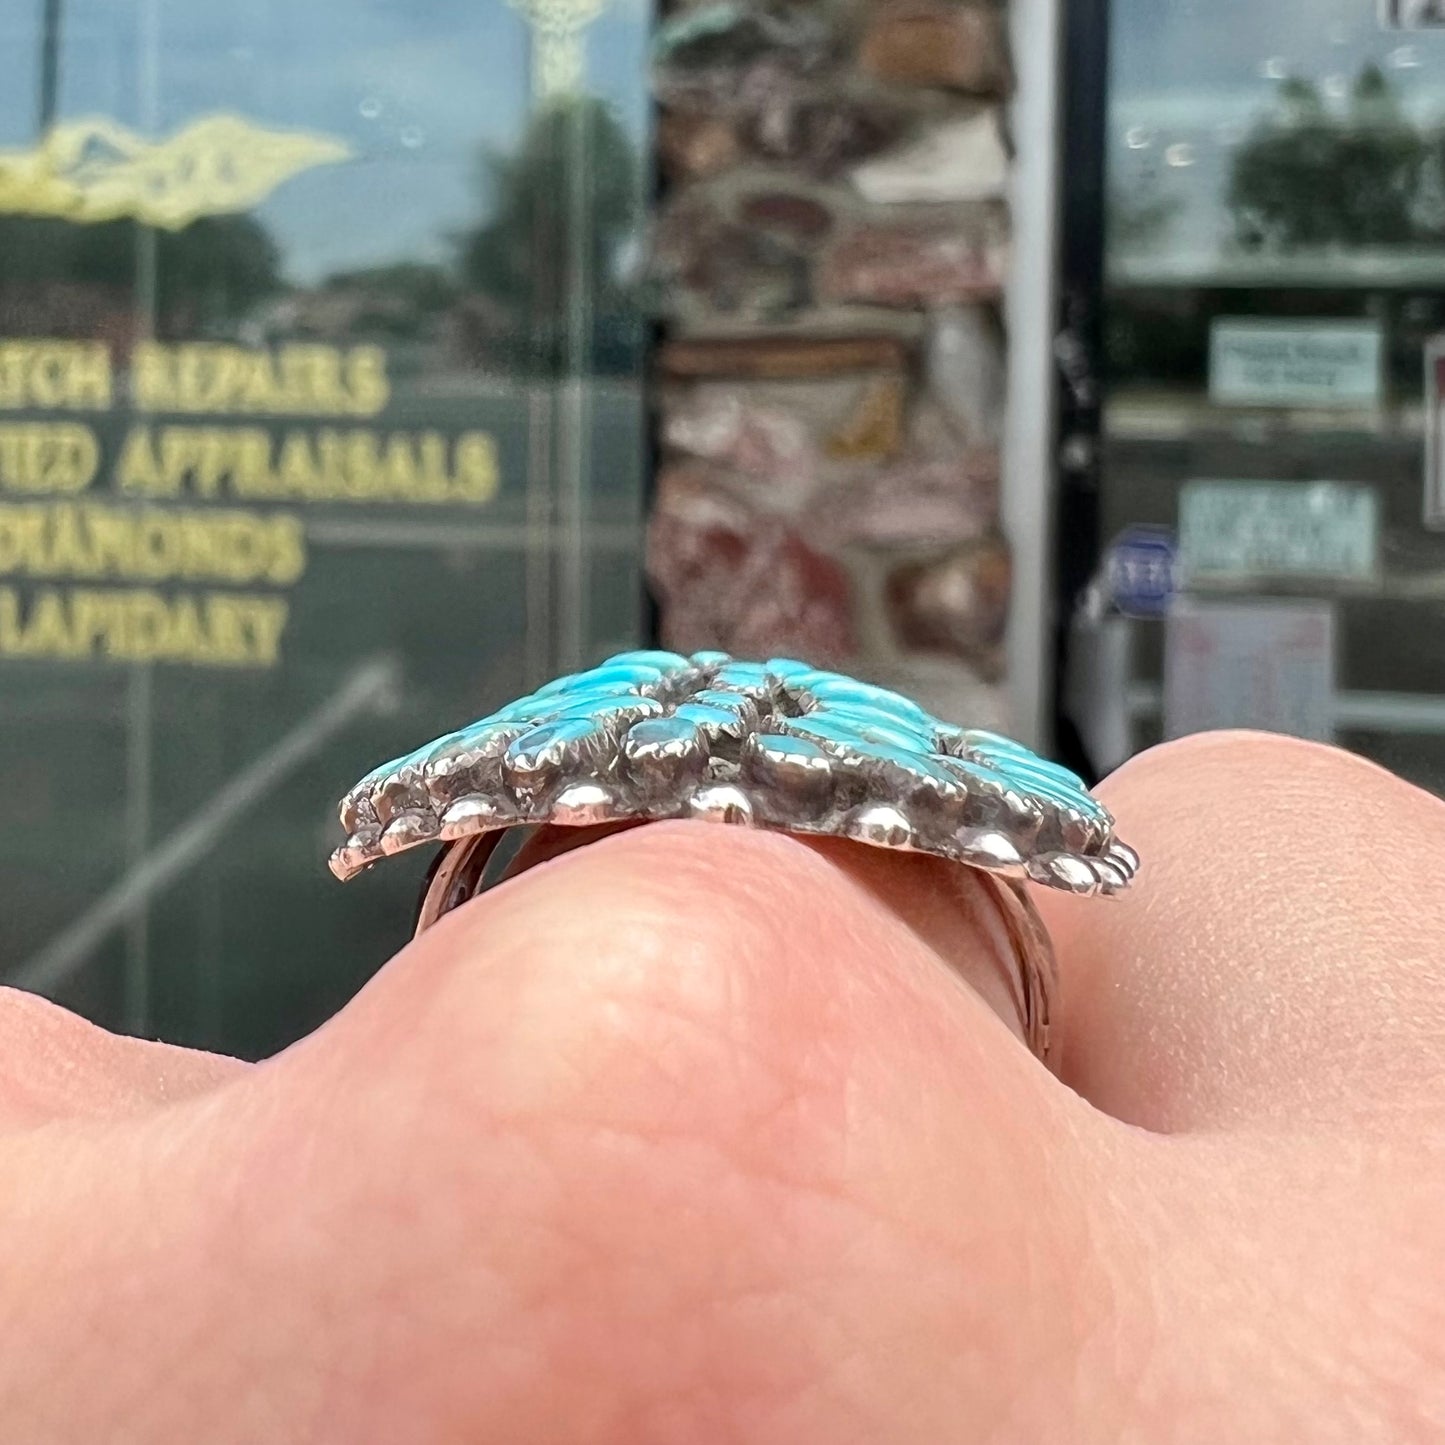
1275	257
320	430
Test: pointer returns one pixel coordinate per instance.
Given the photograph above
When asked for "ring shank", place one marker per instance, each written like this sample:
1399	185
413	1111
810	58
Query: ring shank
460	874
1036	976
457	877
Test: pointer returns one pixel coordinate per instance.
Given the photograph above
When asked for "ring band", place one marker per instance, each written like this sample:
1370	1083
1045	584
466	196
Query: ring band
460	870
780	745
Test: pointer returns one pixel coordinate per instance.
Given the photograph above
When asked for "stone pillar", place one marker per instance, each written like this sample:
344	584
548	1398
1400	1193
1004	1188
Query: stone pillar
828	261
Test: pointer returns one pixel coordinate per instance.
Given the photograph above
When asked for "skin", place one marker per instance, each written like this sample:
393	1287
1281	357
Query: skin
694	1135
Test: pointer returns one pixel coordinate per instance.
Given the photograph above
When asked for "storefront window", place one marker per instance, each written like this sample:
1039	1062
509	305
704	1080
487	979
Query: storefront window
1275	253
320	428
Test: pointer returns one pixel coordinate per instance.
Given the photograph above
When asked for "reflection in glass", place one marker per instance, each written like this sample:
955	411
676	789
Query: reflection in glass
1315	195
1258	104
365	287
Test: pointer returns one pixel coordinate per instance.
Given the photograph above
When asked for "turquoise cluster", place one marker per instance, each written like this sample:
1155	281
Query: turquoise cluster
664	696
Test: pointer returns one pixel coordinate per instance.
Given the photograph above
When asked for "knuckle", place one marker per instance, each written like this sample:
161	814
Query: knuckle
1241	765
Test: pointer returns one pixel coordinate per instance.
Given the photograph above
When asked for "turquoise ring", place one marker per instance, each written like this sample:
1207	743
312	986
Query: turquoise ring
777	744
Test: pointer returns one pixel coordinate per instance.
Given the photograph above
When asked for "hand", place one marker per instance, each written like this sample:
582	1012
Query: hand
696	1136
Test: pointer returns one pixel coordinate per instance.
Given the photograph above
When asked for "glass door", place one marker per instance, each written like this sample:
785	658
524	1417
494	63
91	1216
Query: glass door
1255	301
321	431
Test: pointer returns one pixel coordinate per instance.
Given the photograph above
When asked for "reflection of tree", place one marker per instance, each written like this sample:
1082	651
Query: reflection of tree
407	301
419	286
1308	176
1137	220
207	275
563	207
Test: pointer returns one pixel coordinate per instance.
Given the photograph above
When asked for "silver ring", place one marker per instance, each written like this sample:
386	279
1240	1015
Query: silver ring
780	745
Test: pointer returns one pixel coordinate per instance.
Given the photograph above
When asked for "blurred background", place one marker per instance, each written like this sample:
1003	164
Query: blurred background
1075	366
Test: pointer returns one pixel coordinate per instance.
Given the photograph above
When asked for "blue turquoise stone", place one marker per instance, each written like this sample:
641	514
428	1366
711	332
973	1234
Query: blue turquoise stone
414	761
466	740
601	709
665	661
1054	790
977	775
919	764
845	690
734	702
788	668
1007	755
1018	779
661	732
617	676
708	718
861	716
1031	765
994	742
835	727
598	701
395	766
781	745
610	677
551	735
811	677
847	719
741	675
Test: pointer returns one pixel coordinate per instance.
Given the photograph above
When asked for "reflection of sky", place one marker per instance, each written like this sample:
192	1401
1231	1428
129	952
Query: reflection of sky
1189	77
419	88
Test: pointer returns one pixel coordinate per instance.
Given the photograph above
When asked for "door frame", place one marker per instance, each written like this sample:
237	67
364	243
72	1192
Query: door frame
1079	348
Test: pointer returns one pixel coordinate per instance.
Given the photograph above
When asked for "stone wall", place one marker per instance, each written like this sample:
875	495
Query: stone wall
829	255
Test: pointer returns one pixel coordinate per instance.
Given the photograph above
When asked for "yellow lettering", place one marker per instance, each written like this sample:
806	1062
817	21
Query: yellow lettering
287	551
55	375
182	453
478	474
256	387
70	556
212	629
140	631
22	538
48	633
137	469
367	381
158	544
112	541
47	458
297	473
267	622
202	378
189	639
88	540
363	478
92	618
253	465
152	384
10	629
400	466
315	371
48	375
194	371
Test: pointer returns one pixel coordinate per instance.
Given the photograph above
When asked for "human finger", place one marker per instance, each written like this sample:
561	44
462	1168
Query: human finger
1280	957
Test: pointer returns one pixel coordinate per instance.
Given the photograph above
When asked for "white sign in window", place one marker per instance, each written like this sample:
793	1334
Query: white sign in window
1435	433
1241	531
1295	363
1268	665
1412	14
